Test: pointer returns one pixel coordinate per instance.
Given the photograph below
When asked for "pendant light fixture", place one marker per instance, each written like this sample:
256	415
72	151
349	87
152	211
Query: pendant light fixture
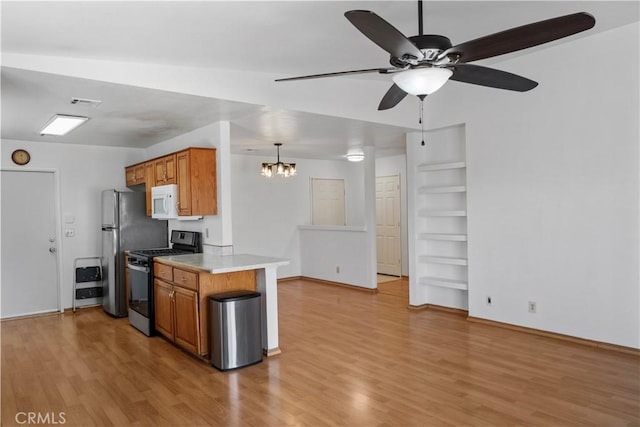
279	168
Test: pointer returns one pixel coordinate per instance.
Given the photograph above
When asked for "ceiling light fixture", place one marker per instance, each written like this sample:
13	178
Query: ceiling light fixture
422	81
279	168
61	124
355	155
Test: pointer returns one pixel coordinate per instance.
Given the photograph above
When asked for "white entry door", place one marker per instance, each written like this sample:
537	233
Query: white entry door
388	225
29	273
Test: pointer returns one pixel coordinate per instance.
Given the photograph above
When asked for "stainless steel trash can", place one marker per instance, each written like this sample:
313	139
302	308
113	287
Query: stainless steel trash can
235	329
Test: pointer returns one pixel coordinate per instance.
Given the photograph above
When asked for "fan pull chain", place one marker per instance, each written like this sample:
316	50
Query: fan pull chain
421	119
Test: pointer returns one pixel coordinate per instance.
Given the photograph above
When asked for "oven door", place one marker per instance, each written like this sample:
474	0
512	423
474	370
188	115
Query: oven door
139	295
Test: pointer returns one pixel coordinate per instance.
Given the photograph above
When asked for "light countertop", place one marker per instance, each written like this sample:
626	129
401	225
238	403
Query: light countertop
216	264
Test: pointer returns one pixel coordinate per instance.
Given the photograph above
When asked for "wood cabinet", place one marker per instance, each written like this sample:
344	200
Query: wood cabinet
193	170
148	183
176	311
165	170
181	299
163	305
135	174
187	326
197	191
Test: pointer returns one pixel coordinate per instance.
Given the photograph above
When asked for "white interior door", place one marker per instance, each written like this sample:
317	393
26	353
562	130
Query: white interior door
388	225
29	273
327	202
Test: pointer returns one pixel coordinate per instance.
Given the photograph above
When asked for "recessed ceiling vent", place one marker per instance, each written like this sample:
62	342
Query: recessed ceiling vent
85	102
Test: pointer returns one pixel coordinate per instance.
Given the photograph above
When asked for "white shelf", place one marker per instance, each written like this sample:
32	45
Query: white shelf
430	167
443	236
444	283
431	259
443	189
425	212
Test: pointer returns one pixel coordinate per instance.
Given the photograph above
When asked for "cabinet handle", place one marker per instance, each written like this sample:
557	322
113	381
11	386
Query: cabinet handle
184	279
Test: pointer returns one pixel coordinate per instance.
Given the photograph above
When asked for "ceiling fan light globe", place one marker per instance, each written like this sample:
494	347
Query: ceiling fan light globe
422	81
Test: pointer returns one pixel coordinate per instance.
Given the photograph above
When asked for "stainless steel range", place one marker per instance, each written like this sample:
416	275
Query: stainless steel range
141	311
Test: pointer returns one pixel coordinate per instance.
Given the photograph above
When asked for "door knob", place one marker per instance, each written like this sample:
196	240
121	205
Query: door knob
52	250
52	239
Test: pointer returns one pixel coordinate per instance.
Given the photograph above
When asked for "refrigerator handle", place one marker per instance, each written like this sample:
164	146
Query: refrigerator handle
114	235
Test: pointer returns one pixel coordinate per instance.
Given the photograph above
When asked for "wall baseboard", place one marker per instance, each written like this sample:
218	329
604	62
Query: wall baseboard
457	311
290	279
555	335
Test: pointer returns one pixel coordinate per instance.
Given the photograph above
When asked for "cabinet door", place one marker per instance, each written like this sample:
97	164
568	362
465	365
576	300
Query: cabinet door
184	183
163	308
148	183
130	176
170	169
187	330
139	173
165	170
202	179
159	173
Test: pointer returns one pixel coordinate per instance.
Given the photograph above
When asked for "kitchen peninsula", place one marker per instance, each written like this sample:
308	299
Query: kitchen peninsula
183	284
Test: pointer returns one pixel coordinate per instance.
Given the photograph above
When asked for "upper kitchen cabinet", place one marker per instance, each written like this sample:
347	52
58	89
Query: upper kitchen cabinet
193	170
135	174
148	183
165	170
197	190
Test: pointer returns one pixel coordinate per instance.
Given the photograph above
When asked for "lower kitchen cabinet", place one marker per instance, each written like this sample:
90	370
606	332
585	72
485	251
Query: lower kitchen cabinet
181	296
176	314
187	331
163	304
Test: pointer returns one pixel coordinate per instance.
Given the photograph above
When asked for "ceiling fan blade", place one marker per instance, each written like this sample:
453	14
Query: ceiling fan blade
521	37
393	96
383	34
484	76
339	73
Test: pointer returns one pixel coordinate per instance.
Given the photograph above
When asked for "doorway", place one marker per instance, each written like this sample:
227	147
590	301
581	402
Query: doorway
388	241
29	276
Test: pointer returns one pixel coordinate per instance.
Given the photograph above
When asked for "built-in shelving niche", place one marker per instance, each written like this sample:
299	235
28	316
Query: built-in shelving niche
439	275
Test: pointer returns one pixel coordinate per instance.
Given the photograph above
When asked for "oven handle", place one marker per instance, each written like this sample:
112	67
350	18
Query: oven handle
138	268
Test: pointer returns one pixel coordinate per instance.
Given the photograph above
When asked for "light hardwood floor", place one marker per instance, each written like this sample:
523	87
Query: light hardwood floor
349	358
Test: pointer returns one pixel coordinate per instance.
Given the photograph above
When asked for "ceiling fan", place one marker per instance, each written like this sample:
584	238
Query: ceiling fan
422	64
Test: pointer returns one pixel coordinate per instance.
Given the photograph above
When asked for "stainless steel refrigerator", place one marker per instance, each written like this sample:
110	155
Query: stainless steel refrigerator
125	226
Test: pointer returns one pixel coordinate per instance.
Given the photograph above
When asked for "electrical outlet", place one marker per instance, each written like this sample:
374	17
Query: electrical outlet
338	269
69	232
532	306
488	300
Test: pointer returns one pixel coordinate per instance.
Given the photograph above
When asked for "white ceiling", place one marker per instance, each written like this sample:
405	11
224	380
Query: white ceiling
287	38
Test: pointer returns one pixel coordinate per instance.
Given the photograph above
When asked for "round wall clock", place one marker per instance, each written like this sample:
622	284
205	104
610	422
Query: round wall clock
20	157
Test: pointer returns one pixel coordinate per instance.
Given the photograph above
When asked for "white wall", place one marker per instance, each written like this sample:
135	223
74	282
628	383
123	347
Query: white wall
267	212
83	171
397	165
553	189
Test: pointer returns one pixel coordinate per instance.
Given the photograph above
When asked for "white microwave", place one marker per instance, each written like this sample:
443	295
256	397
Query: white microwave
164	202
